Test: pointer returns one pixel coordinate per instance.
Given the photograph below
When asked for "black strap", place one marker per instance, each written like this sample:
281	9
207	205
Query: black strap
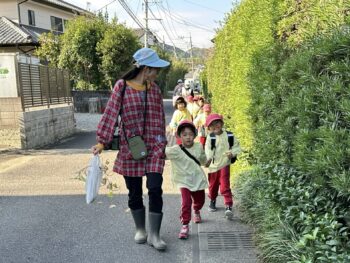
212	140
121	104
144	115
230	138
189	155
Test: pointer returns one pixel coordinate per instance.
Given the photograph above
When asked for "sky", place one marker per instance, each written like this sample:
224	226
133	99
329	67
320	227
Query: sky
180	19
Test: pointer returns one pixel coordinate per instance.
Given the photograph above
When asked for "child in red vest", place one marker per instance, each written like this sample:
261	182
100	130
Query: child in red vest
220	154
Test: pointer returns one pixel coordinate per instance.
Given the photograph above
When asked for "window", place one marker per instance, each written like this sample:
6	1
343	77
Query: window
56	24
31	18
65	23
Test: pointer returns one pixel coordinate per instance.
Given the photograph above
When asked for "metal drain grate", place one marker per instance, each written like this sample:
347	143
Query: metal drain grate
225	241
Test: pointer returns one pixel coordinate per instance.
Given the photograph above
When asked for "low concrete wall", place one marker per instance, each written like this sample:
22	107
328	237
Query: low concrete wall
35	128
47	126
10	113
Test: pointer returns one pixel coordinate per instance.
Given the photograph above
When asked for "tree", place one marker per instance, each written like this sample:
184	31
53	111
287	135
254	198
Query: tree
177	71
78	51
49	49
116	49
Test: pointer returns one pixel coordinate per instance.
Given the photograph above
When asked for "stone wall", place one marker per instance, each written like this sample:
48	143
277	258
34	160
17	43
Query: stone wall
46	126
10	114
34	128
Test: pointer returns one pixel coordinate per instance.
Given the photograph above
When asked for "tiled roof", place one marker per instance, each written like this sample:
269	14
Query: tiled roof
63	4
11	33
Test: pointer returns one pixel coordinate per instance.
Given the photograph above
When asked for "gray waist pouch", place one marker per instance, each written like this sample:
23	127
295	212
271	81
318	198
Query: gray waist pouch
137	148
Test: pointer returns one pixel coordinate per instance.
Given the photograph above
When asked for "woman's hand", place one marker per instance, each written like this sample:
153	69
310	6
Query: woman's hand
96	149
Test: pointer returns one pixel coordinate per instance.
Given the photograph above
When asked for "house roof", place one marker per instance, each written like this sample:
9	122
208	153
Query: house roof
13	34
64	5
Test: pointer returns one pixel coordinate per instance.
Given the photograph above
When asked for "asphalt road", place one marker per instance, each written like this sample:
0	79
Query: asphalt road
44	217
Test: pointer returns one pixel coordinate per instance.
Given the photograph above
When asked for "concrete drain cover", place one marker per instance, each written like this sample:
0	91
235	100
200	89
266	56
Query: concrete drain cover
215	241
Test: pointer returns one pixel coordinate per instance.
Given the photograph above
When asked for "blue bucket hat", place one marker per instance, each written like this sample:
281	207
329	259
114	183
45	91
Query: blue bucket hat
148	57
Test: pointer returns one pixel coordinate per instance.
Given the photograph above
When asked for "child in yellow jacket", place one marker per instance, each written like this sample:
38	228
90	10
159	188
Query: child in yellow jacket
199	122
187	174
181	113
220	154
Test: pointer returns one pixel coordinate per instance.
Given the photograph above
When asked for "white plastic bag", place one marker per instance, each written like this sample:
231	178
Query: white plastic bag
93	179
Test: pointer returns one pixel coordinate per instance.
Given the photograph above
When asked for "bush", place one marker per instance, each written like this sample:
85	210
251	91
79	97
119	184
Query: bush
286	67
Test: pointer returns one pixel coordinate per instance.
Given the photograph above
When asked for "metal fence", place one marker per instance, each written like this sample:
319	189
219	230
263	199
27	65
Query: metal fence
43	85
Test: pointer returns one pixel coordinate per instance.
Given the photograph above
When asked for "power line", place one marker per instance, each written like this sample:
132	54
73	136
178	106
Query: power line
209	8
182	20
105	6
166	32
137	8
166	1
130	12
166	21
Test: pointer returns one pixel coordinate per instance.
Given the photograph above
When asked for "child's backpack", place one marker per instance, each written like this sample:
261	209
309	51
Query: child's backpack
230	139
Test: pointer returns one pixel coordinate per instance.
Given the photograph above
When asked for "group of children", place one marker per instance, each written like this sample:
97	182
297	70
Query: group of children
216	150
190	109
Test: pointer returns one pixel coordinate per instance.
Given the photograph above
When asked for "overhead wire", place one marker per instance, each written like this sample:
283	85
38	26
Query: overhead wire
166	31
98	10
181	20
171	21
130	12
137	8
203	6
164	17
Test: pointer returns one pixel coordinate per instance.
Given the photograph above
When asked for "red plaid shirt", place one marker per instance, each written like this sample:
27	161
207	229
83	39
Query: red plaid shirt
133	122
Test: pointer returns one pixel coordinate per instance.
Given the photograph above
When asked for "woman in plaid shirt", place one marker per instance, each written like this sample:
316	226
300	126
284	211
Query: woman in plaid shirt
149	125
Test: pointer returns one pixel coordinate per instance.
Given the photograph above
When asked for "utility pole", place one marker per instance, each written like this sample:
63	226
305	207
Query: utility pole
191	54
146	23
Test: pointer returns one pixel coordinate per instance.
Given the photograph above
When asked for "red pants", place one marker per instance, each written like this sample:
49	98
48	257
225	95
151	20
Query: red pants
202	140
187	197
220	178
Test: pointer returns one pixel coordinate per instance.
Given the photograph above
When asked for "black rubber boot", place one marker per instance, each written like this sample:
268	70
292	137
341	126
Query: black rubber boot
155	221
139	219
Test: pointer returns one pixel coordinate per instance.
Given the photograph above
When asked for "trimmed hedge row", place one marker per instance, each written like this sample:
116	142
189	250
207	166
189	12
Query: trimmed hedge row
280	74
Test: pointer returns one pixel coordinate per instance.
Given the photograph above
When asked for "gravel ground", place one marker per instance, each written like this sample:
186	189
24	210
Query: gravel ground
87	121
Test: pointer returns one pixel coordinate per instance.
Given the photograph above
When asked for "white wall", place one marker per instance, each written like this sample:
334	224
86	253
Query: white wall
8	76
42	14
8	8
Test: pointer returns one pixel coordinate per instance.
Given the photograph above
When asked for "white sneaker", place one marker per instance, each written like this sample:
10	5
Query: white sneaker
229	213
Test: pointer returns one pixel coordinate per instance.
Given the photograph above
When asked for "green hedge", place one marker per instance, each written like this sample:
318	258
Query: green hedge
248	28
280	75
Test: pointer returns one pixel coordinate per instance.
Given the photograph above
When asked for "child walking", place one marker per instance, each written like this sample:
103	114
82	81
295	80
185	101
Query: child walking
192	106
181	113
188	175
221	148
199	122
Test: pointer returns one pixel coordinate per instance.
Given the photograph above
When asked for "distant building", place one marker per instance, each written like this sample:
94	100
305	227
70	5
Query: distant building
22	22
24	84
